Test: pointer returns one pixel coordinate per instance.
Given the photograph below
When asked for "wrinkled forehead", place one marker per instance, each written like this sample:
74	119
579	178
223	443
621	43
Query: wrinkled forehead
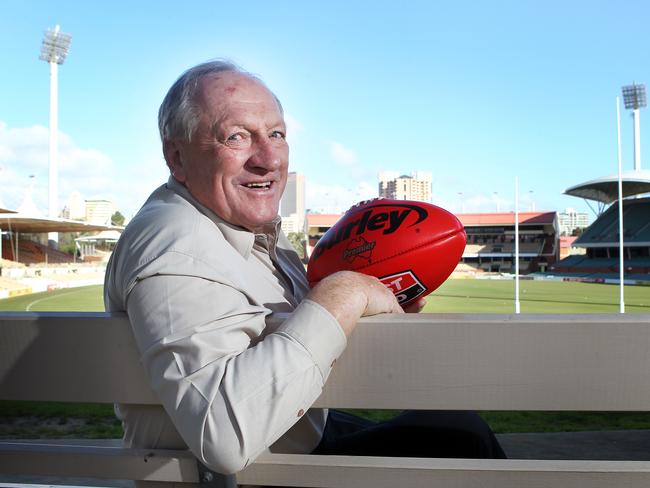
218	91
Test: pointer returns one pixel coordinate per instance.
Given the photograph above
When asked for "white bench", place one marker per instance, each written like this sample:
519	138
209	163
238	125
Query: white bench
425	361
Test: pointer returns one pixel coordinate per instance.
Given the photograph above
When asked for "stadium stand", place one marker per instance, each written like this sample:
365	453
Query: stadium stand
491	242
601	244
317	225
30	252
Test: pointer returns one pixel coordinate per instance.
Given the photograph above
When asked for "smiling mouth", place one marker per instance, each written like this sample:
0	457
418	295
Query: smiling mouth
265	185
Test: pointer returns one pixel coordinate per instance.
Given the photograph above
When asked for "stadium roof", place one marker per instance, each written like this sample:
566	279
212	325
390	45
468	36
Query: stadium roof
605	189
16	222
6	210
506	218
105	235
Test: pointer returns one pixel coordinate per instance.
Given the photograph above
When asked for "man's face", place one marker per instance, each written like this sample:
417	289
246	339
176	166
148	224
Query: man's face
236	164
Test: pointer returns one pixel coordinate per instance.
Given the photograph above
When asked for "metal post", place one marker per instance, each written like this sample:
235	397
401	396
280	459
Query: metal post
637	139
620	211
517	305
54	51
53	195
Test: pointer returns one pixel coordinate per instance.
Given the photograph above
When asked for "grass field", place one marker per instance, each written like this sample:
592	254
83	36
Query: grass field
454	296
33	420
83	299
497	296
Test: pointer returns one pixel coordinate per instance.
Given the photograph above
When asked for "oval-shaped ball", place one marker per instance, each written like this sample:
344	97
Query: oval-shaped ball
412	247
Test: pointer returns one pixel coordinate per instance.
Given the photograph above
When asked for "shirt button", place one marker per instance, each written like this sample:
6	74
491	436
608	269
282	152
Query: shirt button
301	412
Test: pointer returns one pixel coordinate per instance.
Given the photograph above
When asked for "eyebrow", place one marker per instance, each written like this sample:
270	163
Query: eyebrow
243	124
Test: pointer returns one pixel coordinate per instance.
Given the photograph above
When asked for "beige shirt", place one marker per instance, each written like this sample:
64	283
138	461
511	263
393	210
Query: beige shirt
197	291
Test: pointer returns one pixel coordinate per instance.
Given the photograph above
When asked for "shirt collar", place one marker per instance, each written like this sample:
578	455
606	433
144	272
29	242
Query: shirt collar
238	237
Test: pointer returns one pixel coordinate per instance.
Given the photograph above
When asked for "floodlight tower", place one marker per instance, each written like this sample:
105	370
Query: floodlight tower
54	51
634	98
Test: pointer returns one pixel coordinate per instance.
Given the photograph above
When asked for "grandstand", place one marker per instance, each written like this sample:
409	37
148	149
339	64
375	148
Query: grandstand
601	243
317	225
26	251
20	241
491	242
29	265
600	240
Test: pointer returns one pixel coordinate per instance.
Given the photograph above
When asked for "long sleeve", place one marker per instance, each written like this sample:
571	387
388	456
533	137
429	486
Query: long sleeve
229	394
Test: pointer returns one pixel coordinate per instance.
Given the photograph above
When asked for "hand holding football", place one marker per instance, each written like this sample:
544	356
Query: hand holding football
412	247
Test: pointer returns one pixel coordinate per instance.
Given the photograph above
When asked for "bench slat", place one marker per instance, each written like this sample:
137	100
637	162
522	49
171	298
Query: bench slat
315	471
65	460
377	472
447	361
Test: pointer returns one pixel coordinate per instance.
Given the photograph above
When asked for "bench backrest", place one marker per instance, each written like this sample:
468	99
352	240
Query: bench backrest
496	362
451	361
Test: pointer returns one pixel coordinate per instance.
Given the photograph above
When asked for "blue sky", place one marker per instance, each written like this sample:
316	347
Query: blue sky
475	92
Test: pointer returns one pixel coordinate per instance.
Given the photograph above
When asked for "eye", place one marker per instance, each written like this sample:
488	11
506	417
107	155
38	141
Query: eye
277	134
240	138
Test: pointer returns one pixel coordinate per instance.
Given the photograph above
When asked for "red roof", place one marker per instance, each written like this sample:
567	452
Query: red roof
506	218
566	241
322	220
473	219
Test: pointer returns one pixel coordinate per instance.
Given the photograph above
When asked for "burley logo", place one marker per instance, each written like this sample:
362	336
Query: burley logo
374	218
404	285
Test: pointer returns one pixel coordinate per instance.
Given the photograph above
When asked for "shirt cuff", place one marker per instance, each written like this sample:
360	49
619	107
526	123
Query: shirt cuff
318	331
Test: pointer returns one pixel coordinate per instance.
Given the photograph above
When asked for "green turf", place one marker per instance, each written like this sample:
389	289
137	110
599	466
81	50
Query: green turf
497	296
455	296
82	299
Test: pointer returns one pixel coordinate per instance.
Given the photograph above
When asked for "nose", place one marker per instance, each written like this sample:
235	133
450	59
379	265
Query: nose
268	154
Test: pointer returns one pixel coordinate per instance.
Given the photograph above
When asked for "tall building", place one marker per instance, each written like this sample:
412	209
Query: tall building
417	186
99	211
570	220
75	208
292	204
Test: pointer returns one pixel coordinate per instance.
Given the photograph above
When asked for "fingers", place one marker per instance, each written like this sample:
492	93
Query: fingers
380	298
416	306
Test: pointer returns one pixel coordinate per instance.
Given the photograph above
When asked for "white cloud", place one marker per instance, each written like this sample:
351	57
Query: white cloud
482	203
343	155
24	151
337	198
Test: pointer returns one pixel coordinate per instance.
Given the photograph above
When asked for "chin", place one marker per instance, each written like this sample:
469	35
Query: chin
259	221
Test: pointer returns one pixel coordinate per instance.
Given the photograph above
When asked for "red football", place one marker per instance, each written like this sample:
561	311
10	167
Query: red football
412	247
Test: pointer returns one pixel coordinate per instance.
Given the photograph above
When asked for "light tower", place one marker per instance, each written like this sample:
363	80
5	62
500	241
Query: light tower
634	98
54	51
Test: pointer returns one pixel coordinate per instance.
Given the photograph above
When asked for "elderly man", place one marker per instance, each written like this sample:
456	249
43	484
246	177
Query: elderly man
203	264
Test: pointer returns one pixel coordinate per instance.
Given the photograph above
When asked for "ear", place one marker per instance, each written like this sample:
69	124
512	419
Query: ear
172	151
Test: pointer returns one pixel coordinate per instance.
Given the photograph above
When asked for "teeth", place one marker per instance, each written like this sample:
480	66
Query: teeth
266	184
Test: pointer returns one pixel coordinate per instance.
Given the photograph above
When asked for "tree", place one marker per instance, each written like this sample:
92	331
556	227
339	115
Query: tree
66	242
117	218
297	240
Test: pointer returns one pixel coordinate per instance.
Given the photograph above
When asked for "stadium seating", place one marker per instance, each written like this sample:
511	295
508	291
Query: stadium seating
636	223
30	252
601	241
